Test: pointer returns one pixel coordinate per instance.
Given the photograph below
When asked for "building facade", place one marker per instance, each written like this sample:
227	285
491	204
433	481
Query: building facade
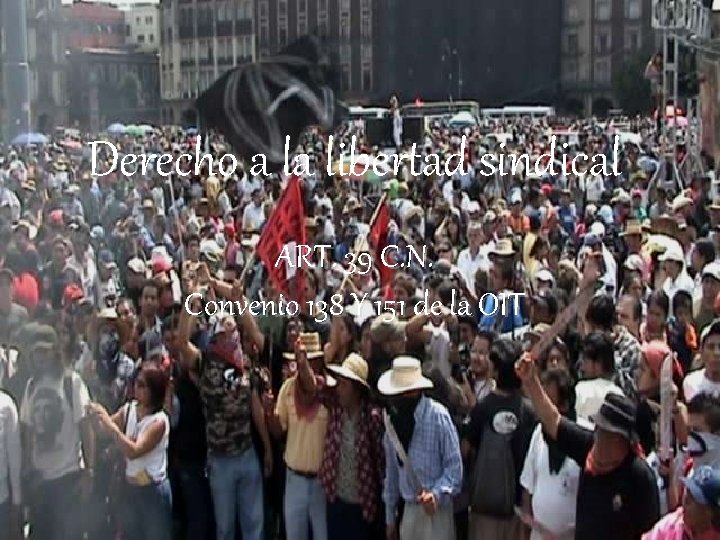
113	85
199	41
599	40
142	26
347	26
47	43
92	25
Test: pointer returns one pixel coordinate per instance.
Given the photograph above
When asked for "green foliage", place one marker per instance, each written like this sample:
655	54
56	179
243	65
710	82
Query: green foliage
631	88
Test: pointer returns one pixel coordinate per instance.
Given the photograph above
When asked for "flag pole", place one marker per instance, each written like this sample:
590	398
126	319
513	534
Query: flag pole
383	199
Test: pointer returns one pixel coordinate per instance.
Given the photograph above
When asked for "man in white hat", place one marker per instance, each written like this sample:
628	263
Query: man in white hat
677	277
423	465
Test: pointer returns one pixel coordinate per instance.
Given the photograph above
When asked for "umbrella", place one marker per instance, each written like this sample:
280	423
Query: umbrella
358	172
647	164
116	129
146	128
30	138
678	121
70	144
191	131
135	131
463	119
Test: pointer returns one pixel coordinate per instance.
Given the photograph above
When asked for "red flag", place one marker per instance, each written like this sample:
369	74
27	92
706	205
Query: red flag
284	230
378	239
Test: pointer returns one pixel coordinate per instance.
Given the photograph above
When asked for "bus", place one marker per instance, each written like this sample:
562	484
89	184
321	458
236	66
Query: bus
513	112
367	113
439	109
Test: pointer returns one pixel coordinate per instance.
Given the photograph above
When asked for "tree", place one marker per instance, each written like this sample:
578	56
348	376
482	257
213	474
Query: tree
631	88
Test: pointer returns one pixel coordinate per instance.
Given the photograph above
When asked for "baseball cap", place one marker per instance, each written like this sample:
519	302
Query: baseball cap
634	262
712	270
386	328
592	240
136	265
704	486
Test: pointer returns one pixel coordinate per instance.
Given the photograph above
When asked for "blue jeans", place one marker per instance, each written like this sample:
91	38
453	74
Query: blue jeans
54	513
198	503
147	512
304	503
236	484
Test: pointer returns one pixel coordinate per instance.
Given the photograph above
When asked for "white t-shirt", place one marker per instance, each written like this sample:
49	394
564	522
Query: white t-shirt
697	383
591	395
439	347
253	216
154	463
54	424
553	503
594	188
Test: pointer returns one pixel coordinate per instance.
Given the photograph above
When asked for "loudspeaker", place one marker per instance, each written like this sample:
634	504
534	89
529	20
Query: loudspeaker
378	132
413	130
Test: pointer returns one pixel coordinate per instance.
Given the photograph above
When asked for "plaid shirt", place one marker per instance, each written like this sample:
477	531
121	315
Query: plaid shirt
627	360
435	457
370	458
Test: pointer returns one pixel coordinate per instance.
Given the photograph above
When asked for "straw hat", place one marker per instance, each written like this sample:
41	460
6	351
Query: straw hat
353	368
632	228
503	248
311	341
405	376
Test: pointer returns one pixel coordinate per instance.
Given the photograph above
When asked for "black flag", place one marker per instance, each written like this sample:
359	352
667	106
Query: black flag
255	106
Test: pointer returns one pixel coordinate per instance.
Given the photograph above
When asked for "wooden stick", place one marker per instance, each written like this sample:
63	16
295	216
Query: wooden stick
383	199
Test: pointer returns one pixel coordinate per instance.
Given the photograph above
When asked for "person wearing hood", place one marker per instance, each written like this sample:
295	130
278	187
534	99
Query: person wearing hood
617	494
422	455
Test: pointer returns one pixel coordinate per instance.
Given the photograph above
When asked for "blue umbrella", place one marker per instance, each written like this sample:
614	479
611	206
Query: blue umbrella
30	138
647	164
191	131
116	129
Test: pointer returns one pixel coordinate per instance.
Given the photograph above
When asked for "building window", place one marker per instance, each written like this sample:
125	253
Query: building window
148	20
602	41
365	26
571	11
570	71
366	79
282	36
127	30
282	7
345	80
572	44
141	38
151	38
366	54
632	39
633	9
345	54
603	10
263	9
137	20
602	71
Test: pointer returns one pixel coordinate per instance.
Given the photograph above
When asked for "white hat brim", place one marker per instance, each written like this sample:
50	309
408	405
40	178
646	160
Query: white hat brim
345	373
387	388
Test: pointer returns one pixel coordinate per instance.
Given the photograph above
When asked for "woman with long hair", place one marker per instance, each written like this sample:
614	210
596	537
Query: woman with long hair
141	430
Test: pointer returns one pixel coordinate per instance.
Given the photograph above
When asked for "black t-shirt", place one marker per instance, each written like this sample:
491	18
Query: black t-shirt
504	413
621	505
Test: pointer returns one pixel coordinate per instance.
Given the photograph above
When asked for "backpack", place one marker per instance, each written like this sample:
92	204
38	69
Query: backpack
494	486
67	389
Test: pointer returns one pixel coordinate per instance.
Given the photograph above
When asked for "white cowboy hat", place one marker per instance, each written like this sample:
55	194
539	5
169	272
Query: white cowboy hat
354	368
405	376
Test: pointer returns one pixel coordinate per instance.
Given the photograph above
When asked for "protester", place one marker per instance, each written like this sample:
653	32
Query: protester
105	279
422	456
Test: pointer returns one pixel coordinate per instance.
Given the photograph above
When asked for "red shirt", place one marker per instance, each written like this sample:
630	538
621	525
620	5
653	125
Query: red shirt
26	291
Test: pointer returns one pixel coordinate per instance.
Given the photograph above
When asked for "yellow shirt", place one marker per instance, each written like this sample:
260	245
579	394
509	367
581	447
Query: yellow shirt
305	440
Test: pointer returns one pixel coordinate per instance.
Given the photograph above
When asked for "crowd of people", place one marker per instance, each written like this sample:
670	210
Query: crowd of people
125	415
